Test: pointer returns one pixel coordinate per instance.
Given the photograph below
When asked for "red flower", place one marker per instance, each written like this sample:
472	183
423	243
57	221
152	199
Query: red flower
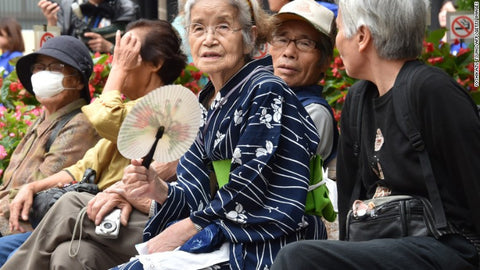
337	114
470	67
343	86
462	51
338	61
13	87
335	72
435	60
91	89
197	75
109	59
98	68
429	47
3	152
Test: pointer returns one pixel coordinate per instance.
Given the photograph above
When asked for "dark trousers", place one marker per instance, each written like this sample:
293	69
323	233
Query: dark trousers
450	253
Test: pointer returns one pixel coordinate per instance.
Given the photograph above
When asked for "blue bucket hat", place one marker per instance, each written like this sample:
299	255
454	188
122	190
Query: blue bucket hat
66	49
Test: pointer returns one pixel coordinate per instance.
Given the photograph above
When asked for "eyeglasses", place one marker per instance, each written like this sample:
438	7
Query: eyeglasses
302	44
222	29
54	67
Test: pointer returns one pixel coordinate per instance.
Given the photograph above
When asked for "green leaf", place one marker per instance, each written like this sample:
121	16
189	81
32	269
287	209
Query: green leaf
435	36
475	96
100	59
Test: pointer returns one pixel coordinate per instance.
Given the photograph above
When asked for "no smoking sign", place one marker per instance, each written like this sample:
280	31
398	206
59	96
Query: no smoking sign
45	37
460	26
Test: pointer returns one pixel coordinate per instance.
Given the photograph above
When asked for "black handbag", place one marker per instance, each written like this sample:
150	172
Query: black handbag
44	200
391	217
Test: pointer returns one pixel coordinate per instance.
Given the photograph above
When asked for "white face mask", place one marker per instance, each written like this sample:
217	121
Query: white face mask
47	84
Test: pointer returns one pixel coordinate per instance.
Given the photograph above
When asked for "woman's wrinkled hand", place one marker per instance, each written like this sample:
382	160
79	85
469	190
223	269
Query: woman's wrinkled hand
103	203
20	207
172	237
126	54
142	182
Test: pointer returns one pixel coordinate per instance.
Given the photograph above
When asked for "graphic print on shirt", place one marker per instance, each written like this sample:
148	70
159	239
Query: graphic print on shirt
379	140
375	162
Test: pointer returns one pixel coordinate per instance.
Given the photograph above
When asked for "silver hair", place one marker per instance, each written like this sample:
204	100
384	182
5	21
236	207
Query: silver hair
244	16
397	26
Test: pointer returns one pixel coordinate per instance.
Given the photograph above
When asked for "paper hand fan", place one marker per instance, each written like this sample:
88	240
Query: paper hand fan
162	125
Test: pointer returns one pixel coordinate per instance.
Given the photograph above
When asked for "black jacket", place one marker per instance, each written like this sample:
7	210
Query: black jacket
450	128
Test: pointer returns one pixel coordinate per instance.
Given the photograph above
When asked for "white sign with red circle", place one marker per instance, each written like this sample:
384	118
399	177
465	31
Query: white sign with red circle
45	37
42	33
460	26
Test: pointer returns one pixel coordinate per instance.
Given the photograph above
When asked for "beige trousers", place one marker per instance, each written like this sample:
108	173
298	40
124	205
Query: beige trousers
48	246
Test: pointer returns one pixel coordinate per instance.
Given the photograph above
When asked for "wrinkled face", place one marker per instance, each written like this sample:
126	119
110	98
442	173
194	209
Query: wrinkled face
292	62
347	49
72	77
215	38
72	80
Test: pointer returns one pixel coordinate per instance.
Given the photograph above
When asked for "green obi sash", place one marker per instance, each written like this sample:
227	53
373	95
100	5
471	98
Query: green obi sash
318	203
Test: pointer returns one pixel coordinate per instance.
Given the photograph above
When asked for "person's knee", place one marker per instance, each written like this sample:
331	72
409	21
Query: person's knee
287	256
61	259
85	254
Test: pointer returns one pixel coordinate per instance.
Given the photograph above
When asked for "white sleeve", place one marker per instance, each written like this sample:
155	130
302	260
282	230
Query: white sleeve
324	123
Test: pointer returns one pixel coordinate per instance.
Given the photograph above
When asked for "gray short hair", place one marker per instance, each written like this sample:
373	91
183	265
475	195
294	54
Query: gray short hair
397	26
260	19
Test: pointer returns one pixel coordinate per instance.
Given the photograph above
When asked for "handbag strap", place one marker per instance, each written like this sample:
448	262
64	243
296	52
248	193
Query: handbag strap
61	123
402	106
358	100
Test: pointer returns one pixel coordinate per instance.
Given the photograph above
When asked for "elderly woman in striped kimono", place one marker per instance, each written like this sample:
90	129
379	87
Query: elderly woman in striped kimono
256	136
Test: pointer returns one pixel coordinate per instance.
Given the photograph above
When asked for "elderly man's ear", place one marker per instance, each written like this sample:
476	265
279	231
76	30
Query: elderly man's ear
363	38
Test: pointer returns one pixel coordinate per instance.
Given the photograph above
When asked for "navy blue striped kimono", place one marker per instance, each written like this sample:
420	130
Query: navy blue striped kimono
258	123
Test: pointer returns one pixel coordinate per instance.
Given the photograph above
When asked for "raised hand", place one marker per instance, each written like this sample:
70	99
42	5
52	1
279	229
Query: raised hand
49	10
